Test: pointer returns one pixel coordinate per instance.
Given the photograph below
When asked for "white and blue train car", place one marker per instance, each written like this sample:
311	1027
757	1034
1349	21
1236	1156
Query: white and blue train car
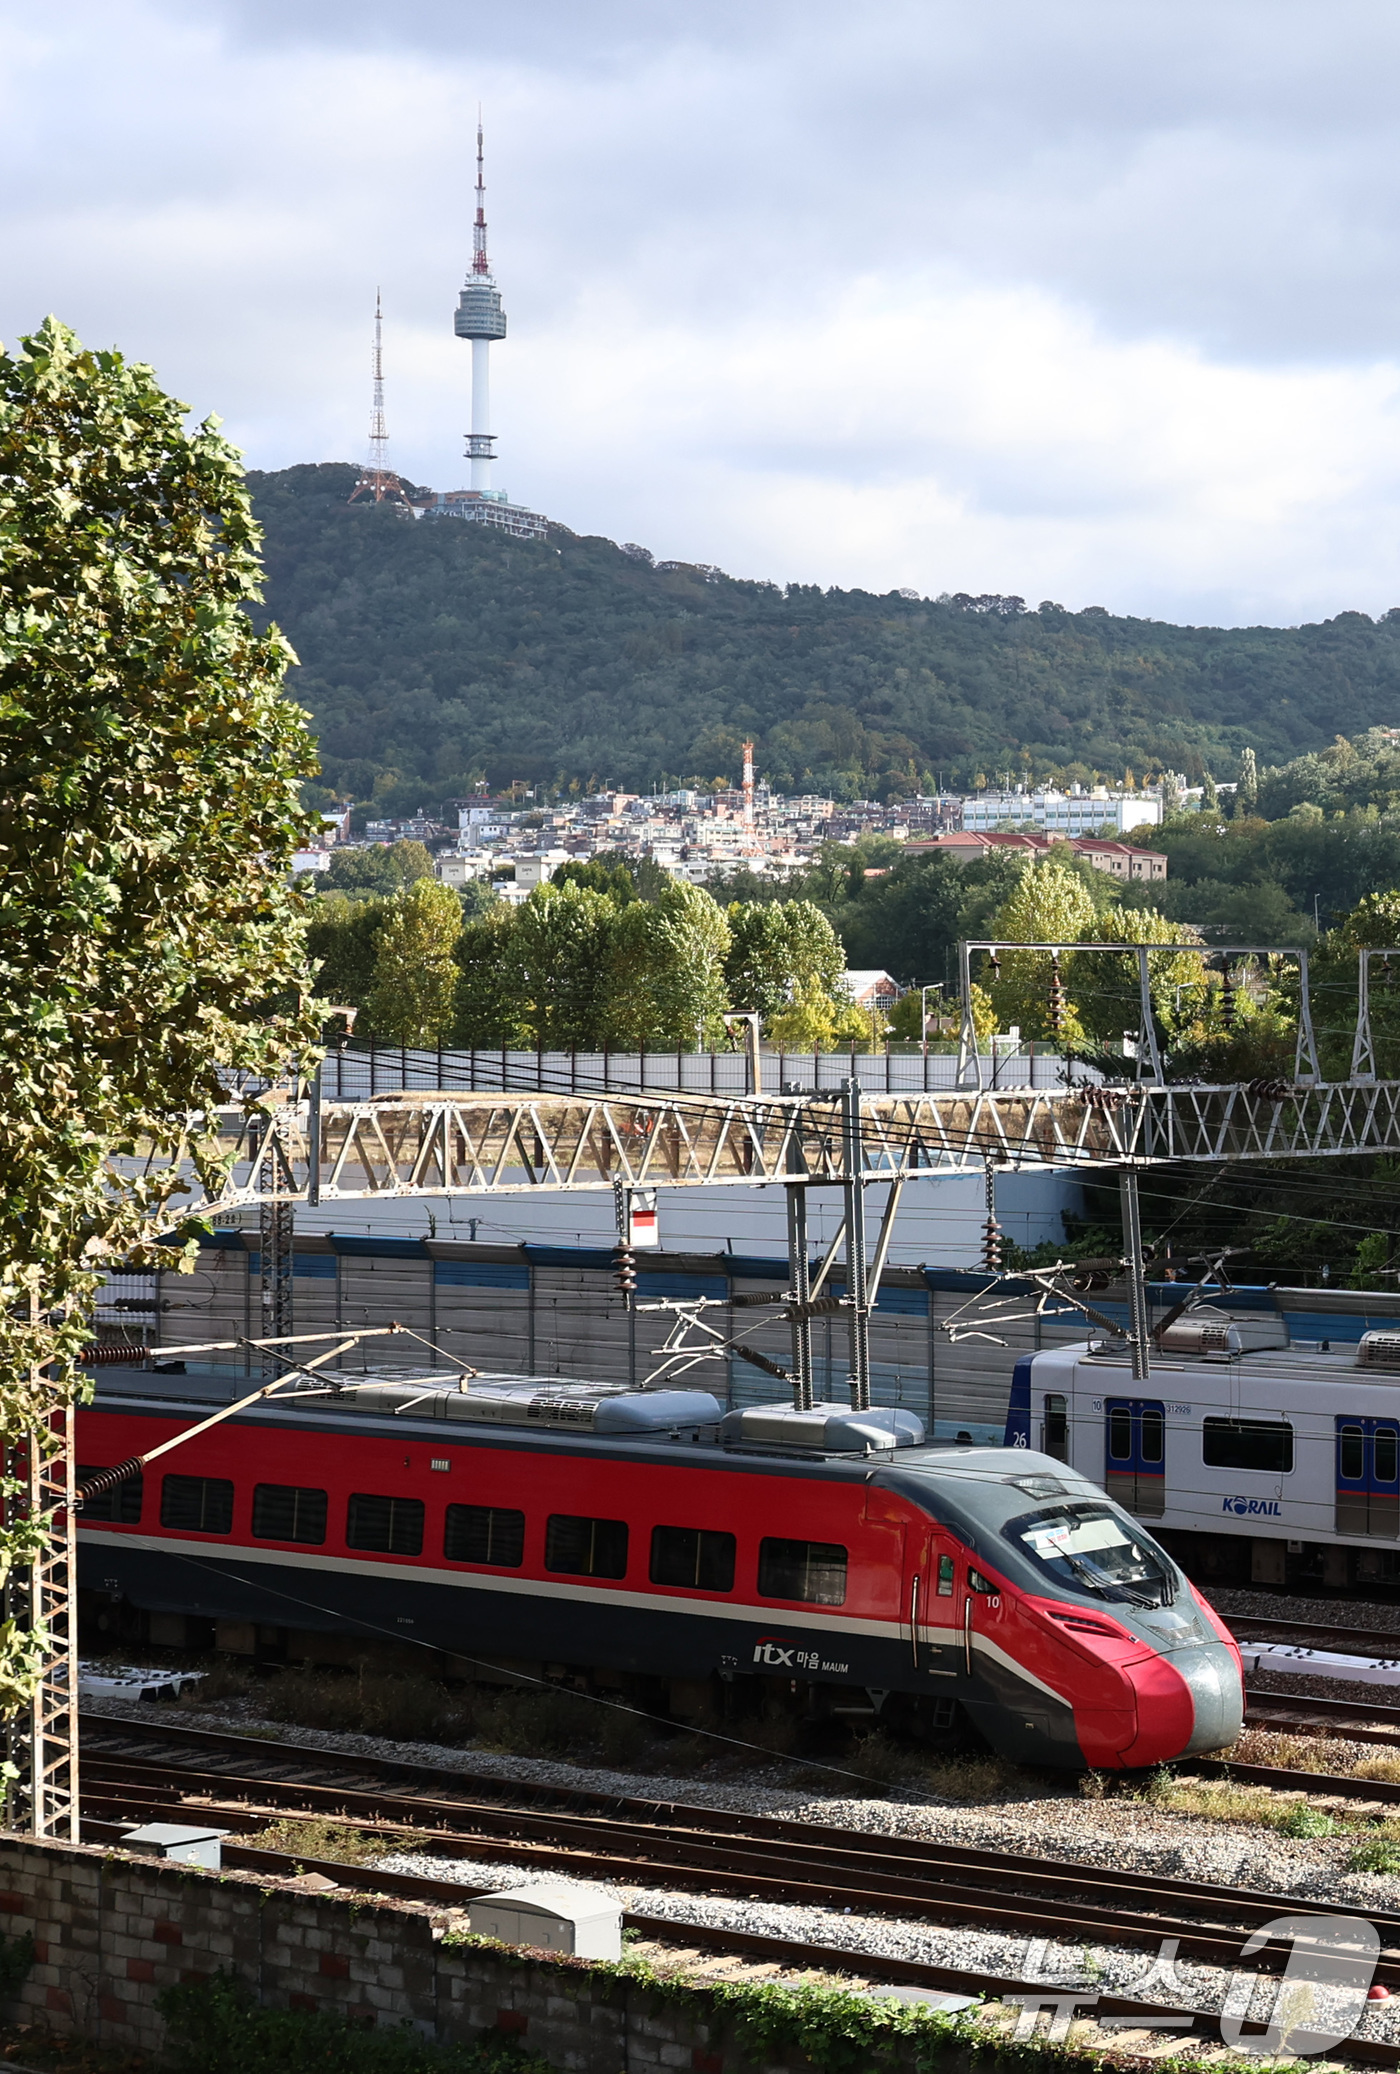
1257	1457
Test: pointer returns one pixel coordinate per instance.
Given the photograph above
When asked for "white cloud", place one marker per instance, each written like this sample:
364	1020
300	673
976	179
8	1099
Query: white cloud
1081	302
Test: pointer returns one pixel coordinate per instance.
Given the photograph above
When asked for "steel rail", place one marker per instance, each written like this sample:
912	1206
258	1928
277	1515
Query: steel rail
1310	1634
1355	1721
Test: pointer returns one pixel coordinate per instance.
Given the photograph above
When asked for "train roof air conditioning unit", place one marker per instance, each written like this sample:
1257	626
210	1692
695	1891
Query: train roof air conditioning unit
1213	1337
829	1428
1378	1350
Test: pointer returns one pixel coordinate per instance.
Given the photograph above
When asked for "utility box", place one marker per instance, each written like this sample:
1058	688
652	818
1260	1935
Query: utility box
555	1915
174	1842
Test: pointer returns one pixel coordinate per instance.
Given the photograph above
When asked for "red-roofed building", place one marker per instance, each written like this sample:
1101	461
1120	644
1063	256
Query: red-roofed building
1122	860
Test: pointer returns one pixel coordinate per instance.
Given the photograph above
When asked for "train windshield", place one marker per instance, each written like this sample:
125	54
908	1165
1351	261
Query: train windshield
1093	1549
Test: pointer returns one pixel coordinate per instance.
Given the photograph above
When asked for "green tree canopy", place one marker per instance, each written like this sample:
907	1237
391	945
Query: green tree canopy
489	1006
411	999
666	972
383	868
778	950
151	941
343	938
561	955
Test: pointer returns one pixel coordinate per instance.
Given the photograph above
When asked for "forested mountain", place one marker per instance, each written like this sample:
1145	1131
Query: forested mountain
436	652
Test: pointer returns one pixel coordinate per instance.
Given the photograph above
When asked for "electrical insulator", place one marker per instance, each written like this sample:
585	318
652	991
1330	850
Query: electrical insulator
991	1230
625	1270
1227	1002
1057	999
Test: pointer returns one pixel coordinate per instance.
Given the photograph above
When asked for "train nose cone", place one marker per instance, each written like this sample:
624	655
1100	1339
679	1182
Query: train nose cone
1217	1696
1188	1701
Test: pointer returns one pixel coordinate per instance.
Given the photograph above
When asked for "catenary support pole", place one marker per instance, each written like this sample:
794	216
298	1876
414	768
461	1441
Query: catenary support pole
854	1160
276	1242
1137	1274
41	1797
800	1283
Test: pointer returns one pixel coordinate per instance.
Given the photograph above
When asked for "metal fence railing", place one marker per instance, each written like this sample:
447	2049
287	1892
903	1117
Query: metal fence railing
367	1069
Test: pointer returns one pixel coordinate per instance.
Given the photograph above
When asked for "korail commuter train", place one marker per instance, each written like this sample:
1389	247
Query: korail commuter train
712	1565
1257	1458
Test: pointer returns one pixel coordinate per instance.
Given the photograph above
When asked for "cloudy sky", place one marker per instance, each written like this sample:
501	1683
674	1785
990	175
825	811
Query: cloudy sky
1092	300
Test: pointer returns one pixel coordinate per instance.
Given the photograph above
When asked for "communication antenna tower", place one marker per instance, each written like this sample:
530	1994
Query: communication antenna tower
748	784
480	318
375	479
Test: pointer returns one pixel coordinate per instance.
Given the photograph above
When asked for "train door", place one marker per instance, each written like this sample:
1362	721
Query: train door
937	1598
1054	1426
1135	1454
1368	1477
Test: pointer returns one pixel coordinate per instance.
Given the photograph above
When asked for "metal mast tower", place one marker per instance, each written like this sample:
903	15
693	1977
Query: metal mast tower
480	318
375	480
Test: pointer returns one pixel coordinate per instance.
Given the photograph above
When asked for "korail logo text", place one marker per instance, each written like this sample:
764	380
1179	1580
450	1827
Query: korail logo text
1252	1508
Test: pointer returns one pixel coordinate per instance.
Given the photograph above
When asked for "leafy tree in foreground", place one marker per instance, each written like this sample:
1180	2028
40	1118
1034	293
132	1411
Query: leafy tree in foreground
415	977
151	942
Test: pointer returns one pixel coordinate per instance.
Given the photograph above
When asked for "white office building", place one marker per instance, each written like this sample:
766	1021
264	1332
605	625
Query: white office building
1080	812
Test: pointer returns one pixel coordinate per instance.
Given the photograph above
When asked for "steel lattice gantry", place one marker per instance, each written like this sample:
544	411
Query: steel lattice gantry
484	1144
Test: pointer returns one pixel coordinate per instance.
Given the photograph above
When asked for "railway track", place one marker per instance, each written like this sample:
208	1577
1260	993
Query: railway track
1351	1641
136	1772
655	1843
677	1940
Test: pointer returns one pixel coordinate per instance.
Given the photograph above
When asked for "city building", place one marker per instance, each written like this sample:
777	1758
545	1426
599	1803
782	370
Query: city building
538	870
872	989
1121	860
459	868
1079	812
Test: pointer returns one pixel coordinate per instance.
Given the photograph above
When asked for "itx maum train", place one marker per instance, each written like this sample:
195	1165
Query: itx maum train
647	1543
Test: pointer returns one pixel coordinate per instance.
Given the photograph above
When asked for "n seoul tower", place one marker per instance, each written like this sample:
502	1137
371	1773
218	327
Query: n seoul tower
480	318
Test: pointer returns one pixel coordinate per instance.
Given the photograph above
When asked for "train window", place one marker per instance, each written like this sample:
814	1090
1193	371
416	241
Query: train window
1120	1434
575	1547
198	1504
945	1577
1265	1444
1353	1451
121	1507
1088	1548
696	1558
491	1534
1154	1433
1383	1453
813	1571
390	1526
286	1512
